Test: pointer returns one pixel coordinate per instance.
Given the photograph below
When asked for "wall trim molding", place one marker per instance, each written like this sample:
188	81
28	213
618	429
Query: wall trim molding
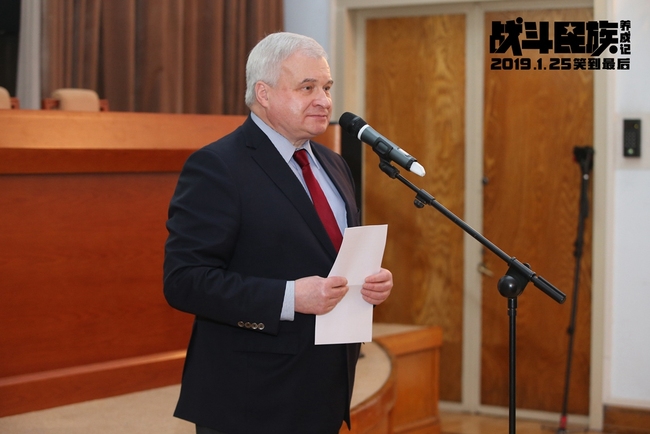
626	420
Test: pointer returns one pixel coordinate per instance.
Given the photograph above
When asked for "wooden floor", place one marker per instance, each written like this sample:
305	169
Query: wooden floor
150	412
463	423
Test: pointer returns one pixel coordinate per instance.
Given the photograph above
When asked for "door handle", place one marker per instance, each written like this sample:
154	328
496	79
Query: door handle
485	270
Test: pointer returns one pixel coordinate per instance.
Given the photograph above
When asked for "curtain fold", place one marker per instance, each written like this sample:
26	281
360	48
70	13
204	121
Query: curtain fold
172	56
118	61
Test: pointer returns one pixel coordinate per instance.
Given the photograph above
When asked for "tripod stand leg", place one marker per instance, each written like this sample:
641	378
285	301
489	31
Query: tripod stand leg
585	160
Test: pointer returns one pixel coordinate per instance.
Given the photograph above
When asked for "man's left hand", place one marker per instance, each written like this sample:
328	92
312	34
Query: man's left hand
376	287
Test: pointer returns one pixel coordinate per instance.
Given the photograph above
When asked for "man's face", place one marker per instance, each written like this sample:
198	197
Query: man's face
300	106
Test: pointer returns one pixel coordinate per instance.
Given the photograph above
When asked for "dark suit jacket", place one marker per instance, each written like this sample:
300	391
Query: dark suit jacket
240	225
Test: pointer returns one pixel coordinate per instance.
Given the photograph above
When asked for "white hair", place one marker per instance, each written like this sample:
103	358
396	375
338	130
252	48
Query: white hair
265	59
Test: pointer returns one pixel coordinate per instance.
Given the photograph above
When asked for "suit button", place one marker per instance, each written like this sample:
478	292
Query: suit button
240	323
260	326
254	326
247	325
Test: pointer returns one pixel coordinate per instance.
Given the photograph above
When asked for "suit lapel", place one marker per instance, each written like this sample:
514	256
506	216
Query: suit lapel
339	178
269	159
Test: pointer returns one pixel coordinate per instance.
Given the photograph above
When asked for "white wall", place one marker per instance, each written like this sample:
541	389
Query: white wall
627	373
310	18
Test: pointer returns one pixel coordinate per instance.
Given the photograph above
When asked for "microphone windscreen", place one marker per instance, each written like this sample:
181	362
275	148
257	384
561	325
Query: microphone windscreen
351	123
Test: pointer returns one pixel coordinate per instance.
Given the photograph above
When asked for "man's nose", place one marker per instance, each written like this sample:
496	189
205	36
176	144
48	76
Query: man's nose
323	99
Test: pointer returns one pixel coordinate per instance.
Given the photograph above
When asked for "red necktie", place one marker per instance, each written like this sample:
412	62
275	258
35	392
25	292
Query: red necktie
318	197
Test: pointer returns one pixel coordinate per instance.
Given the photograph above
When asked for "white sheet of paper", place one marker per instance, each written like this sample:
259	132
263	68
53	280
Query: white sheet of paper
360	256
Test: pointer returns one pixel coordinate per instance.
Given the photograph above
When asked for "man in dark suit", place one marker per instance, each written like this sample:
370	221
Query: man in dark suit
247	254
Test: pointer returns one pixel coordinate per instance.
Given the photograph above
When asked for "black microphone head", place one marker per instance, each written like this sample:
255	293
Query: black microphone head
351	123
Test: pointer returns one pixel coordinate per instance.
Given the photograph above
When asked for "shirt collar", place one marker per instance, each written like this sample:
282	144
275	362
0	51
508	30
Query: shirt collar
281	143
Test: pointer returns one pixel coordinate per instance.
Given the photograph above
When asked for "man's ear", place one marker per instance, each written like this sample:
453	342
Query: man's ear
261	93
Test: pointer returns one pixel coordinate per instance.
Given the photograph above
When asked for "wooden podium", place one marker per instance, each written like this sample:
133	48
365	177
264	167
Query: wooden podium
83	205
401	398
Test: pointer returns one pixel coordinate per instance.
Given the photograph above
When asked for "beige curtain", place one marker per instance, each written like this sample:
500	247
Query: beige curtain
173	56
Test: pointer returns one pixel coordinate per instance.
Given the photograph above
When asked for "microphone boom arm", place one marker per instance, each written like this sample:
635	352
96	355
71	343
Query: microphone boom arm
518	274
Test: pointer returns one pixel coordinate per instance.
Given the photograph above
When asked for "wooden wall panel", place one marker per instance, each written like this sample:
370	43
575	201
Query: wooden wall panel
533	120
415	95
85	254
81	261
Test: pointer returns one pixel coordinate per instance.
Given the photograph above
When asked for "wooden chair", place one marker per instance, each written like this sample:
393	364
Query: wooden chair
85	100
7	101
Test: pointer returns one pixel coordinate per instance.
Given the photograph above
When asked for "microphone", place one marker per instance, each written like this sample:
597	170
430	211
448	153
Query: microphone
386	149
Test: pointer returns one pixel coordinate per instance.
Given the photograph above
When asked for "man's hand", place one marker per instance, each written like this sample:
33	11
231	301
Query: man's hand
376	287
318	295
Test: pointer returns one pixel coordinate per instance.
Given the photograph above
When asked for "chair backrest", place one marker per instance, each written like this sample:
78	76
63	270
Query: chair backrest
7	101
85	100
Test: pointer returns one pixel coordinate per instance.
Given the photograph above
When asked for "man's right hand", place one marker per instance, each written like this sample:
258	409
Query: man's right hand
318	295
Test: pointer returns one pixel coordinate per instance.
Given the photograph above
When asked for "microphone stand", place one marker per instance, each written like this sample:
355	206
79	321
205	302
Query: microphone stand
510	286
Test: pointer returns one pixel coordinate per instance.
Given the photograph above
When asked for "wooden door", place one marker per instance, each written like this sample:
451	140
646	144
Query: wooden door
415	94
532	121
